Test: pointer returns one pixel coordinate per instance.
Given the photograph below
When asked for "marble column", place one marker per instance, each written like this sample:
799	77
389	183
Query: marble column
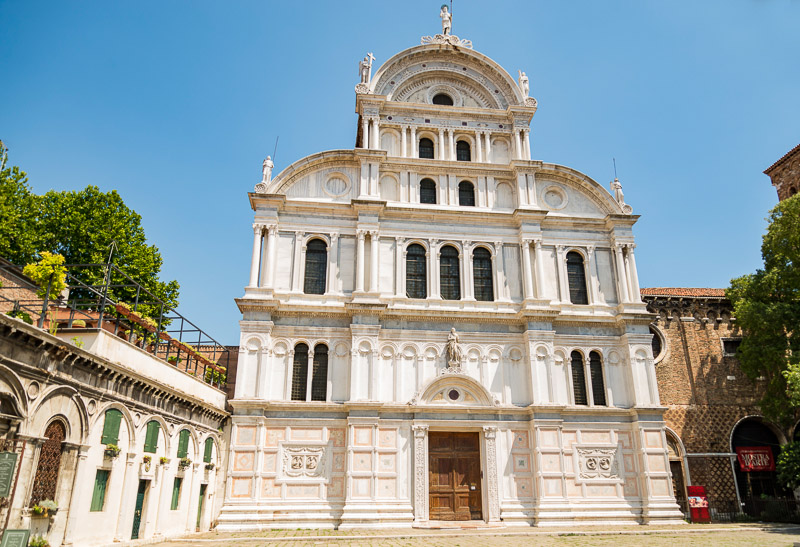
526	267
272	249
499	272
420	473
256	259
537	245
129	485
452	142
373	258
82	477
488	137
591	278
517	145
562	274
527	133
299	249
634	275
466	270
309	372
376	134
414	147
478	147
333	265
399	259
364	132
622	278
492	484
441	145
361	234
403	141
433	269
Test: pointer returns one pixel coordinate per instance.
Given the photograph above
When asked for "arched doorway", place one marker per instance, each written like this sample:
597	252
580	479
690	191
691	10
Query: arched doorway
675	452
756	446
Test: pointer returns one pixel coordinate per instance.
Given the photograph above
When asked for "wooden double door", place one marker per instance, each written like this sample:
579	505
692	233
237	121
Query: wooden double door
454	476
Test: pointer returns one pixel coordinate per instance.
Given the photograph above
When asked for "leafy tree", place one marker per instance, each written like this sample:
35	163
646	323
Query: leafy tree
80	226
767	307
48	273
788	465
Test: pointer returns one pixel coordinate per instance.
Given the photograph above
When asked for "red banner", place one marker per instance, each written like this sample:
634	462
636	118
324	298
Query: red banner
698	504
755	458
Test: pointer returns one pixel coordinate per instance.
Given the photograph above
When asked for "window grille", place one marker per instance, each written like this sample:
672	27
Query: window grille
208	449
416	272
466	194
99	494
449	273
482	272
443	99
427	191
576	278
151	438
183	443
426	149
113	417
300	372
578	379
316	266
463	152
319	378
46	480
596	374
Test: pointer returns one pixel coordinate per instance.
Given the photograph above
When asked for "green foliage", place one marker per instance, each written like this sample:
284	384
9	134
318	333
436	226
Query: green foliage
48	273
38	541
25	316
788	465
80	226
77	341
767	307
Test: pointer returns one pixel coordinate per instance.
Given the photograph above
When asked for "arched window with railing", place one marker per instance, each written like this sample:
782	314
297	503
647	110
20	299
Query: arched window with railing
416	272
426	148
449	273
316	267
576	278
463	152
596	374
427	191
578	379
466	193
482	275
319	373
300	372
48	467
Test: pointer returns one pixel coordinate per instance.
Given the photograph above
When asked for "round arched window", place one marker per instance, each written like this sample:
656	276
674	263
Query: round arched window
443	99
657	343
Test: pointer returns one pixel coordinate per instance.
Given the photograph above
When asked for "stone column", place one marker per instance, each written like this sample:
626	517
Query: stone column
373	257
272	249
517	145
309	373
364	132
537	244
399	258
129	485
376	134
452	142
333	265
414	148
403	141
488	147
361	234
466	276
622	278
82	477
526	267
257	229
562	274
492	486
499	272
634	275
592	277
478	147
441	144
420	473
297	275
527	133
287	377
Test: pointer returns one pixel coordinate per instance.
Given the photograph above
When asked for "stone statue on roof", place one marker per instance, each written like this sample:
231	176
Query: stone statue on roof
524	84
266	170
616	187
447	20
365	68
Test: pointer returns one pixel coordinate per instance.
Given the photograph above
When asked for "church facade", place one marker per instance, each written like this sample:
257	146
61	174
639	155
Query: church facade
437	327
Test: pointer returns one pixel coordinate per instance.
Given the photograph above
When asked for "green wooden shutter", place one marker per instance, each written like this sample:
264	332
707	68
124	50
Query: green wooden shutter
111	427
99	494
176	493
183	443
151	438
209	448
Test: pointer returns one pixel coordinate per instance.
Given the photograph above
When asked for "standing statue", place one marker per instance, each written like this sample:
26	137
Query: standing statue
524	85
266	169
365	68
616	187
447	20
454	353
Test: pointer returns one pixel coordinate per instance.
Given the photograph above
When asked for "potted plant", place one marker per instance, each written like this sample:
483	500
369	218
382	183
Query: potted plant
37	510
209	467
173	360
38	541
78	324
147	460
184	463
112	451
163	460
50	507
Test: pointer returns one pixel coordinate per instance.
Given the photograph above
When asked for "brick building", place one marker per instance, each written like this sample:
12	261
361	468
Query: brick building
785	174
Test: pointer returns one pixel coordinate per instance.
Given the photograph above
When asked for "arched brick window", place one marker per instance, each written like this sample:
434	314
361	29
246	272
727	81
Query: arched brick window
46	480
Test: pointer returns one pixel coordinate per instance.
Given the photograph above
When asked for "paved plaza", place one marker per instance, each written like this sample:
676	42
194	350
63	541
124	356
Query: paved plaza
745	535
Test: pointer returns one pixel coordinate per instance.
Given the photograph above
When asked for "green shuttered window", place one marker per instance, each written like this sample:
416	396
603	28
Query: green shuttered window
183	443
99	495
111	427
176	493
151	438
207	453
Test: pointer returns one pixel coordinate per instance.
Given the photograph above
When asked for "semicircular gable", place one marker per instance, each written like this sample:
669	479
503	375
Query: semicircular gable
564	190
331	175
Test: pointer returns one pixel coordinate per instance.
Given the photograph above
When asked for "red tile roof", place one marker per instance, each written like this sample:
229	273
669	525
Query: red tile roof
683	291
783	158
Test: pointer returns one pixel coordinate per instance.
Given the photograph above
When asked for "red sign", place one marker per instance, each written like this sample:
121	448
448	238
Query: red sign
755	458
698	503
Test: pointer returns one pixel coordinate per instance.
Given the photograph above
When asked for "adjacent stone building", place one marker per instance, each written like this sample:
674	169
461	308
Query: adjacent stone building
785	174
438	327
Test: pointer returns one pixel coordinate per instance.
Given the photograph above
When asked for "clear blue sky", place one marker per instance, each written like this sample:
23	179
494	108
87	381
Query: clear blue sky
175	104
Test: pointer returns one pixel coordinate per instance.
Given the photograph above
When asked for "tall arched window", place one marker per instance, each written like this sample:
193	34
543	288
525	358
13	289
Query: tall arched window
576	277
596	373
427	191
316	267
426	148
578	379
449	273
482	273
416	272
466	193
46	481
300	372
463	151
319	378
208	450
113	419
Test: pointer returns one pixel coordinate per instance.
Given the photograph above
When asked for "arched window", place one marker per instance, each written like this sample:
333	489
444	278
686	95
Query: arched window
300	372
578	379
463	151
46	480
482	273
576	277
316	267
208	450
427	191
792	191
449	273
183	443
416	272
319	378
426	148
113	418
466	193
151	436
596	373
443	99
656	343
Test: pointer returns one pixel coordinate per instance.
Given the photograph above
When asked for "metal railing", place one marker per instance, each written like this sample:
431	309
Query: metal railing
749	510
101	296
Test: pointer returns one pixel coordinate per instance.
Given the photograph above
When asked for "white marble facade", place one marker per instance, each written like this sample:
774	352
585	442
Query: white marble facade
360	456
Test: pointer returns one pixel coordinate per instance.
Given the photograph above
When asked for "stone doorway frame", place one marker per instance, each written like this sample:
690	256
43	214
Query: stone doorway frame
489	483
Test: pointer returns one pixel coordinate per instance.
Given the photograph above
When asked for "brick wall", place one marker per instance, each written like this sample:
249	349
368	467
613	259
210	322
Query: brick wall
785	174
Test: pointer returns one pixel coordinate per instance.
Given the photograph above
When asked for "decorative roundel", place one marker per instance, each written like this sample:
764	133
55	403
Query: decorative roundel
554	197
91	407
454	394
34	389
336	186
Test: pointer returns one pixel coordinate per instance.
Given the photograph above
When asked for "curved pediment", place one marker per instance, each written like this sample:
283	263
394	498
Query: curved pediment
454	389
565	191
326	176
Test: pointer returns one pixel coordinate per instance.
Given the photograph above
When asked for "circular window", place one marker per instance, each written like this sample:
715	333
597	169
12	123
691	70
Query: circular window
453	394
658	344
443	99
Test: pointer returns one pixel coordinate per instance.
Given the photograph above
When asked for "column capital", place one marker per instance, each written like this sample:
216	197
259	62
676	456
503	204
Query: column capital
537	242
373	233
420	430
257	228
561	248
334	236
272	229
399	240
631	246
361	234
525	241
489	431
498	246
590	250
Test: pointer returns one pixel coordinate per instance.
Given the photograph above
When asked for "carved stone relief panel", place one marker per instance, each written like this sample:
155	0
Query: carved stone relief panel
304	462
597	463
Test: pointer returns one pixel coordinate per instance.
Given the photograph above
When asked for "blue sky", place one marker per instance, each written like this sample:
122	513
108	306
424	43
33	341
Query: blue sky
175	104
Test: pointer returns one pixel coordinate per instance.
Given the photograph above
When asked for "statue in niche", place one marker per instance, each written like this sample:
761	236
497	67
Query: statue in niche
447	20
365	68
454	353
524	84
